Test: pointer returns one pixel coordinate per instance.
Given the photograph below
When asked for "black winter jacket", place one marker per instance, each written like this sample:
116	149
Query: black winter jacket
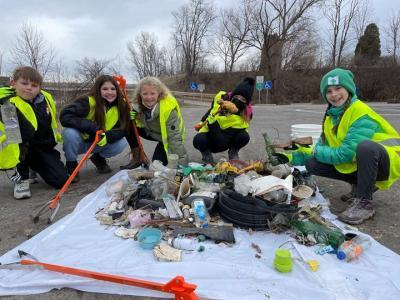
74	116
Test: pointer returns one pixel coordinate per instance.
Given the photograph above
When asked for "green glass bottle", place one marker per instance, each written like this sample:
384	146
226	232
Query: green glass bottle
319	233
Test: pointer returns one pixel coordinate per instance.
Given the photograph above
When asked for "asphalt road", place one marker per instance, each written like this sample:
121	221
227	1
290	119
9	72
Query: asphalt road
16	225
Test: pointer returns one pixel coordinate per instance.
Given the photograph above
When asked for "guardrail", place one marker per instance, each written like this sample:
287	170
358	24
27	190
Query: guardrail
195	97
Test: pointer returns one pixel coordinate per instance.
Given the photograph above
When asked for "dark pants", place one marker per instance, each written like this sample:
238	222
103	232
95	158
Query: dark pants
218	141
159	152
372	165
47	163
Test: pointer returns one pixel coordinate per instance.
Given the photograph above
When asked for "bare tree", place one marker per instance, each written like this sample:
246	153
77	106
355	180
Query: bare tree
192	22
302	52
32	49
361	19
340	15
116	66
88	69
60	78
274	24
146	56
393	33
233	30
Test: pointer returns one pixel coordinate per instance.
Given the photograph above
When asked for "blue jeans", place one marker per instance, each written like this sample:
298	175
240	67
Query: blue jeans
75	145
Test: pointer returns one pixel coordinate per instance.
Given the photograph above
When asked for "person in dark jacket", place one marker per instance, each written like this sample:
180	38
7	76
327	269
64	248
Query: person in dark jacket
36	113
357	145
103	108
224	130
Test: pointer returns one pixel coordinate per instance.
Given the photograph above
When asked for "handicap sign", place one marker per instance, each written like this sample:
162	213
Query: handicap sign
194	86
268	85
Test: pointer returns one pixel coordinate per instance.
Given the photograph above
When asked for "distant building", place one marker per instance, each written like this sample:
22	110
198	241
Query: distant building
4	80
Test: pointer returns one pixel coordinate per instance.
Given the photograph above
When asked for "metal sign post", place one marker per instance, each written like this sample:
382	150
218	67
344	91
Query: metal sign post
259	86
201	87
267	86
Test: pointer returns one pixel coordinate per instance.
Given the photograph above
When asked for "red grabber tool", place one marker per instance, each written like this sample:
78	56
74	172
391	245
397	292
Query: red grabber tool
177	285
122	84
53	205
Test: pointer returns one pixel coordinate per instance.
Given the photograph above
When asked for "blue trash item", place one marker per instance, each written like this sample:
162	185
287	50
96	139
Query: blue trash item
149	237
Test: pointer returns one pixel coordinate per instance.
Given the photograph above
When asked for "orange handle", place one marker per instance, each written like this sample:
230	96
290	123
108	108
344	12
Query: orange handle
198	126
122	83
177	285
72	176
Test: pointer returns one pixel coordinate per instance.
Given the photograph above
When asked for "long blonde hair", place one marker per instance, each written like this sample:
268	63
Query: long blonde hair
151	81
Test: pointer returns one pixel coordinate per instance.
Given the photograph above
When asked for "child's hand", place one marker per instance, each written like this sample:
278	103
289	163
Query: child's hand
211	119
198	126
103	140
133	114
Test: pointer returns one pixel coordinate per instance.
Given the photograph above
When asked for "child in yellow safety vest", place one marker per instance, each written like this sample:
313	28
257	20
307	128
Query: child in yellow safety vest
158	117
225	130
36	113
103	108
357	145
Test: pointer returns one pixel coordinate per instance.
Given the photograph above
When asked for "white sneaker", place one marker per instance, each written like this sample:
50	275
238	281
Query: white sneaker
22	189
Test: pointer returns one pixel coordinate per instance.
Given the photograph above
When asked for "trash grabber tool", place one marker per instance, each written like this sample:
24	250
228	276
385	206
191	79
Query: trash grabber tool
122	83
53	205
176	286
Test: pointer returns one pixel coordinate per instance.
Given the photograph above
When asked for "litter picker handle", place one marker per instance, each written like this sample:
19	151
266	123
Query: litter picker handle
122	83
72	176
177	285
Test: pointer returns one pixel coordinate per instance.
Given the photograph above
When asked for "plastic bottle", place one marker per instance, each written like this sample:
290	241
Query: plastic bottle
162	170
320	233
201	216
353	248
11	124
186	244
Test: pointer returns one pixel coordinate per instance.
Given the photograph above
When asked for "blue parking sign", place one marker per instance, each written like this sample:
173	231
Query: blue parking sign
268	85
194	86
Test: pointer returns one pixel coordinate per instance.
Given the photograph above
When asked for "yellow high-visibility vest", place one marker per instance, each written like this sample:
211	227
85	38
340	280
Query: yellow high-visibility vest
389	139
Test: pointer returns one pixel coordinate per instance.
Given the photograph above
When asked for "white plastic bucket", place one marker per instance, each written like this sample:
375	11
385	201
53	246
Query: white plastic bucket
305	130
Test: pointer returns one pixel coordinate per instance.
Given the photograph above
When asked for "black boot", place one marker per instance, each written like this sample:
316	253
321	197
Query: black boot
135	161
207	157
233	154
100	163
70	166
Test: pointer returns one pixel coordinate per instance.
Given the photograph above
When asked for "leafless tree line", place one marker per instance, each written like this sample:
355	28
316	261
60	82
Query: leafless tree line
264	35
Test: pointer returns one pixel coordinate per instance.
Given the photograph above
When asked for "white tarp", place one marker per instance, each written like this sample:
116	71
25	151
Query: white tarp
221	272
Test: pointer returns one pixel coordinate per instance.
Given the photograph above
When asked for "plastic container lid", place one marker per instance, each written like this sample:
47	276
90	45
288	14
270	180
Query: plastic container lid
341	255
149	237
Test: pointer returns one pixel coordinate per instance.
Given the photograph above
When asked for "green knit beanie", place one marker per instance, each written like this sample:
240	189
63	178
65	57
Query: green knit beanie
340	77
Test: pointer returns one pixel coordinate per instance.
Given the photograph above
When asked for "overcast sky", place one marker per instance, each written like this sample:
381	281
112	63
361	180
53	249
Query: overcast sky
102	29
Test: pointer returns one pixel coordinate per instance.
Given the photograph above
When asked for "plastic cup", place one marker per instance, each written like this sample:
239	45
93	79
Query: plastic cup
173	161
283	260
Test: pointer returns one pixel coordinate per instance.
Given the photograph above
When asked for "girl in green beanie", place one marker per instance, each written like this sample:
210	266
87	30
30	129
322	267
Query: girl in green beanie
357	145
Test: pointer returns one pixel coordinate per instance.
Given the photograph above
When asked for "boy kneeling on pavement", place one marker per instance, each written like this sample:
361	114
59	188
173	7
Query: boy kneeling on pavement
36	112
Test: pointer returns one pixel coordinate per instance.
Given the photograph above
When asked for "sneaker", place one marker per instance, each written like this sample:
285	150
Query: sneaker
71	166
22	189
100	163
233	154
359	211
352	194
207	157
